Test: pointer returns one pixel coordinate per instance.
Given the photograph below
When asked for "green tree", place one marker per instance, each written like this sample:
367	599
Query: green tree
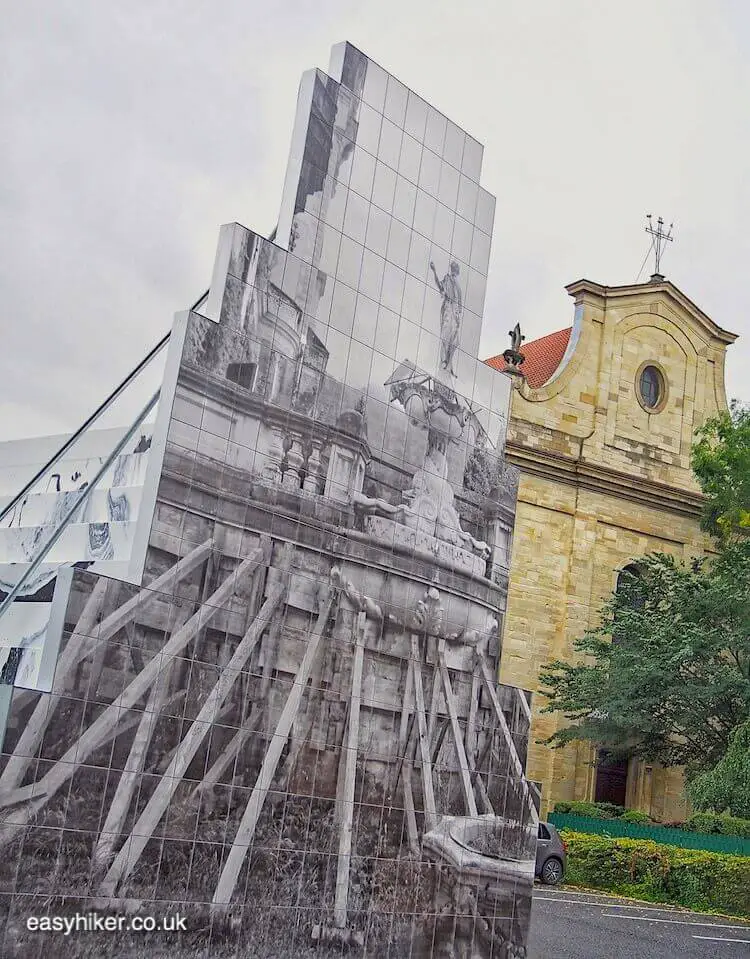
666	675
727	785
721	462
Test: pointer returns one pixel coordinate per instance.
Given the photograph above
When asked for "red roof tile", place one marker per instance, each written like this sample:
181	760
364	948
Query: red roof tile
543	356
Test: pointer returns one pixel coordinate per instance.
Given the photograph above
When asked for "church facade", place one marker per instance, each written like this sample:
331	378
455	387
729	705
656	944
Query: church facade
601	429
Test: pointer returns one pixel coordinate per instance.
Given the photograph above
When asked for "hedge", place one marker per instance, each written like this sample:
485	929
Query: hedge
592	810
718	824
707	823
707	881
664	835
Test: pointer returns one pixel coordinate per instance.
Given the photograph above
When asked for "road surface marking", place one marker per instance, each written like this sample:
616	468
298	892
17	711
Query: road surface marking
611	905
714	939
680	922
602	905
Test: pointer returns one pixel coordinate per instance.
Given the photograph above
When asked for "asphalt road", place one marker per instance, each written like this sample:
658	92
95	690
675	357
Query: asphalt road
581	925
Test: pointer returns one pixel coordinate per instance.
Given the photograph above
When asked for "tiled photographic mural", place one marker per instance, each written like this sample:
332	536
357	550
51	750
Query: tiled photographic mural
291	731
99	537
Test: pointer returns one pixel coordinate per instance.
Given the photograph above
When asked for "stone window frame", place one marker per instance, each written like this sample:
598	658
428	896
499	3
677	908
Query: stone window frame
664	382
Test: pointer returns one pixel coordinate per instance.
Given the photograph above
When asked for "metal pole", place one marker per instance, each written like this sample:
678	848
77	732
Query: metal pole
92	419
82	429
37	561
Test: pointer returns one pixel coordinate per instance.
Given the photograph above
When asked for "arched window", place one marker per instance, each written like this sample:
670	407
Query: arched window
630	578
626	576
612	768
628	582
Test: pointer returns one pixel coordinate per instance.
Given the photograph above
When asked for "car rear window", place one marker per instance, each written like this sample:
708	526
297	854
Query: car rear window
543	831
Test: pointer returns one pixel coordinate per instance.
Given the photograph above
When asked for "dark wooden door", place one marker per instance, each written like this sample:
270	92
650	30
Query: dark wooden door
611	778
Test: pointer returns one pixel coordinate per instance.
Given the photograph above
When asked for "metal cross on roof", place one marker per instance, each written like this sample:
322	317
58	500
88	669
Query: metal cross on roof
659	242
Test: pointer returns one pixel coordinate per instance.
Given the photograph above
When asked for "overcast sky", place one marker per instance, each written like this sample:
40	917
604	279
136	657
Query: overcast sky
132	131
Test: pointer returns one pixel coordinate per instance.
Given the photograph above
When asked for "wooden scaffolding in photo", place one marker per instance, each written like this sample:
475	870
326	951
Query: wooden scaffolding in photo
429	725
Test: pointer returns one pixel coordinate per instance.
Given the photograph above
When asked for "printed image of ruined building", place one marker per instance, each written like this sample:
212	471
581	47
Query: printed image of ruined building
282	719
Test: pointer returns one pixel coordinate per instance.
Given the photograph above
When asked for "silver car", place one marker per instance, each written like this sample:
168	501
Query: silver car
551	856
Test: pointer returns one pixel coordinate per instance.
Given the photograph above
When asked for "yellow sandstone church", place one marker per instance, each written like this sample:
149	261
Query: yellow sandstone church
601	428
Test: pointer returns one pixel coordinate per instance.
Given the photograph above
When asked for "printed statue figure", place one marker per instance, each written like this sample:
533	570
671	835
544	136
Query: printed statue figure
451	312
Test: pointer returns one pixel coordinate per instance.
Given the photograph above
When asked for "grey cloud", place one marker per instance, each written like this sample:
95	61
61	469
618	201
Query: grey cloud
134	130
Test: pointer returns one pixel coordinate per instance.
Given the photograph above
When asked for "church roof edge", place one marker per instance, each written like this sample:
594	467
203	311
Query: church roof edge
654	286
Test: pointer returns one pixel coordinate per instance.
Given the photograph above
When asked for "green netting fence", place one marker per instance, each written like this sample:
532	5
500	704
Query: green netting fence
670	837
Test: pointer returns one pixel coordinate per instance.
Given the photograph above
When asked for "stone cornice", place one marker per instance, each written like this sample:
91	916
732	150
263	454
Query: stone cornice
598	479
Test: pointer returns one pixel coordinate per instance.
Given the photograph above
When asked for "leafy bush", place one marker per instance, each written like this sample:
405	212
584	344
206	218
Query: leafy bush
727	785
635	816
707	822
710	823
591	809
715	824
734	826
660	873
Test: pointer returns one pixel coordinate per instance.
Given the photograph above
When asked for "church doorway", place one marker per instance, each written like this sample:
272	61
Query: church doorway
611	778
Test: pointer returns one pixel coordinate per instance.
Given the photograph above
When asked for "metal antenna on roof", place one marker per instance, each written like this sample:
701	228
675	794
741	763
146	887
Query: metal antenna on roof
658	243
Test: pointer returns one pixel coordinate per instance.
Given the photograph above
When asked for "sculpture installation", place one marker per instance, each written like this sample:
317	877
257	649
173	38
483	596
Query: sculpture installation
451	311
288	727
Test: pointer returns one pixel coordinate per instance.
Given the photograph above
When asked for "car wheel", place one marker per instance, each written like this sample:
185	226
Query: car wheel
552	871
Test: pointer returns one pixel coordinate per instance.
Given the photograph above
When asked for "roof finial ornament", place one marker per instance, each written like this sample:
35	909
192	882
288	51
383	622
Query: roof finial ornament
658	243
514	357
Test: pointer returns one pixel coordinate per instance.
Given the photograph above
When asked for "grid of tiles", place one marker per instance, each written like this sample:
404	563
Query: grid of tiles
292	730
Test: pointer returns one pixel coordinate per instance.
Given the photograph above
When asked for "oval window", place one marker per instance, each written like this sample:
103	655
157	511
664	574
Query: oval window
651	387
